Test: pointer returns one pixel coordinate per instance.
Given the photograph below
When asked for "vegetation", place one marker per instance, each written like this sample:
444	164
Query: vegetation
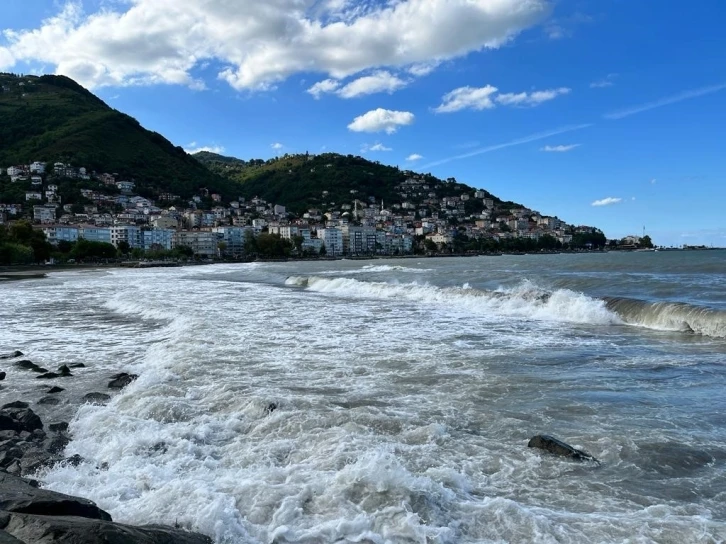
21	244
53	119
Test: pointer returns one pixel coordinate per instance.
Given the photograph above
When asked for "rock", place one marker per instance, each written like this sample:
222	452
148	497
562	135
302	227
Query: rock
51	401
552	445
12	355
36	458
42	529
16	404
56	444
30	365
9	455
97	398
2	376
61	426
119	381
77	365
270	408
64	370
48	376
17	416
6	538
18	495
74	460
55	389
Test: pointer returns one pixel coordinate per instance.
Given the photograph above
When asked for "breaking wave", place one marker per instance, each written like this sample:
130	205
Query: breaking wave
526	300
670	316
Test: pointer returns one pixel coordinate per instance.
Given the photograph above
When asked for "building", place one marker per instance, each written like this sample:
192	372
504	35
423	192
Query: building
44	214
202	243
95	234
58	233
131	234
157	239
358	240
233	239
332	239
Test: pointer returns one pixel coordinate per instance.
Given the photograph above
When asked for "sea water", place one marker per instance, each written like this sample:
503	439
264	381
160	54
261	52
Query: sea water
392	401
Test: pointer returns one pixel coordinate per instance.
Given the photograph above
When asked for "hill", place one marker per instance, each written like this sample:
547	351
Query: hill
52	118
320	181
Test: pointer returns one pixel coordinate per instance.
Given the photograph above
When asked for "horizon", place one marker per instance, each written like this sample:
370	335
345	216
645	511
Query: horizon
601	115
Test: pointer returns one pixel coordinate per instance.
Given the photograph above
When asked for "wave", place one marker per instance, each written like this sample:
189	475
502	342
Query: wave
525	301
670	316
373	268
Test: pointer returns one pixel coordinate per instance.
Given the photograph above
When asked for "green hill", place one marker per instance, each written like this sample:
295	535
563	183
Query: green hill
306	181
52	118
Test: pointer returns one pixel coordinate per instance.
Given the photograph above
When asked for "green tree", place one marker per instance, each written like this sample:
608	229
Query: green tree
646	242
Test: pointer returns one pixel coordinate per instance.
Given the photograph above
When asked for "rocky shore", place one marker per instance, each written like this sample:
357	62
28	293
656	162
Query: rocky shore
29	514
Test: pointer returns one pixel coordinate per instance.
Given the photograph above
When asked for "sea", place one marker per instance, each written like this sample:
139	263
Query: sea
391	401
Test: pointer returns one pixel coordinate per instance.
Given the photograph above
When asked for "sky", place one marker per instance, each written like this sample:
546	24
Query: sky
609	113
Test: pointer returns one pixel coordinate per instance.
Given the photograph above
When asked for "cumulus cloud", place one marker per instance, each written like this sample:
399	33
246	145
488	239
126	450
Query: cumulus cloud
467	98
380	81
260	44
530	99
192	148
380	120
607	201
414	157
484	98
559	148
277	146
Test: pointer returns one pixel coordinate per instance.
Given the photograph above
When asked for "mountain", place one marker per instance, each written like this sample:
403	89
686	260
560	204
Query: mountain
318	181
54	119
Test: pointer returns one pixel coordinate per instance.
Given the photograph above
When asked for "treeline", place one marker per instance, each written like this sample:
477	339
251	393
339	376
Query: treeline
21	244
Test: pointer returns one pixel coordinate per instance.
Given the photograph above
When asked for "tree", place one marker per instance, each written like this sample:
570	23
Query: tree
124	247
646	242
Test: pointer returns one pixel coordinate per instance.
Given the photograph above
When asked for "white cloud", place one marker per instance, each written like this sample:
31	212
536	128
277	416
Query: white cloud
653	181
530	99
365	148
323	87
686	95
607	201
414	157
380	120
380	81
259	44
559	148
277	146
518	141
467	98
607	81
192	148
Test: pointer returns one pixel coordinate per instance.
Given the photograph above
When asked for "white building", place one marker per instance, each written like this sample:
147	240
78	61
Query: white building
37	168
131	234
33	195
332	239
44	214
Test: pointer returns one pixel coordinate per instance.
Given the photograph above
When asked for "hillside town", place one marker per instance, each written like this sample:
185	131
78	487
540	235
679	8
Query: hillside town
110	209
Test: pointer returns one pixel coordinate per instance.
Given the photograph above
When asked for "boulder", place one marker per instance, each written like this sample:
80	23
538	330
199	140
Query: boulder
30	365
2	376
59	427
119	381
74	530
49	401
17	416
20	496
557	447
97	398
63	370
77	365
12	355
6	538
55	389
49	376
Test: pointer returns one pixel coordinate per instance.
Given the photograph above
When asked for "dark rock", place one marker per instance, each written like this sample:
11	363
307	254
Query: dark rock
2	376
6	538
18	495
10	455
74	460
56	444
38	434
552	445
52	401
119	381
64	370
77	365
36	458
58	427
69	530
30	365
7	423
97	398
55	389
12	355
270	408
16	404
48	376
8	435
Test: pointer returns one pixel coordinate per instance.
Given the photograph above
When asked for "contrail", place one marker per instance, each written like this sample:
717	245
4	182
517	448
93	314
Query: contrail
685	95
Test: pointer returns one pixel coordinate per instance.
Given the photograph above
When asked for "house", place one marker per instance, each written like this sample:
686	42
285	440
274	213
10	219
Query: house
44	214
125	186
33	195
37	168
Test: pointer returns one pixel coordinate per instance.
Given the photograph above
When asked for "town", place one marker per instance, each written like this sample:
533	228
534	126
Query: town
110	210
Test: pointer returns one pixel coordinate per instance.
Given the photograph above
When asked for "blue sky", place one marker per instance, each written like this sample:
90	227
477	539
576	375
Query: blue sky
610	112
